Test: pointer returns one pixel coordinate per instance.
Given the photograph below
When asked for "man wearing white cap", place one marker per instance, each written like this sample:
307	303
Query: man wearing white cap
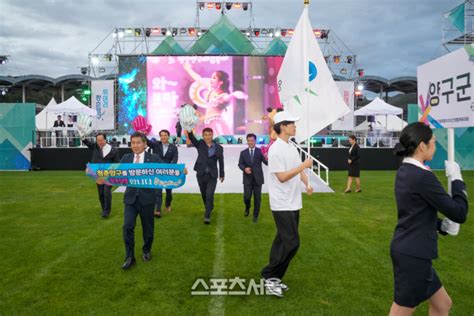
284	188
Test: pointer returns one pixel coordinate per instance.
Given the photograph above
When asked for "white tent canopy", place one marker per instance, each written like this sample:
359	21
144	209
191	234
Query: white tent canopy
389	123
44	119
378	107
71	106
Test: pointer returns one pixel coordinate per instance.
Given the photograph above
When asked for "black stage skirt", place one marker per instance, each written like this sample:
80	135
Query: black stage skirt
354	170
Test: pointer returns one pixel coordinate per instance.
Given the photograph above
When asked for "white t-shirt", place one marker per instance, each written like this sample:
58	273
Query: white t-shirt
286	196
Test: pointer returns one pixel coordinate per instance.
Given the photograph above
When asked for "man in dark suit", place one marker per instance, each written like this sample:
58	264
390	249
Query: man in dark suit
59	133
103	153
209	154
250	162
168	153
138	202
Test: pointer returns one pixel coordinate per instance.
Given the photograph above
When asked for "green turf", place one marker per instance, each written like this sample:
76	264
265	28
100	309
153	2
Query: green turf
59	257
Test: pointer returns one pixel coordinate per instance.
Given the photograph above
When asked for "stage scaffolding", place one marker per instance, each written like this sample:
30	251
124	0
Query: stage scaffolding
142	40
454	36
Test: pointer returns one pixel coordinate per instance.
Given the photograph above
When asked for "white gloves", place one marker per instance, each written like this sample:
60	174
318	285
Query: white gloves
84	125
450	227
453	171
188	118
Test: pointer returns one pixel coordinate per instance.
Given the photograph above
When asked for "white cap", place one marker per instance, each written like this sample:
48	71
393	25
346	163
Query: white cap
284	116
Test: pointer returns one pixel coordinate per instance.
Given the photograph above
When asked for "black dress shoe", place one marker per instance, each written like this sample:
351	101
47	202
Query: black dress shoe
207	221
147	256
129	262
246	212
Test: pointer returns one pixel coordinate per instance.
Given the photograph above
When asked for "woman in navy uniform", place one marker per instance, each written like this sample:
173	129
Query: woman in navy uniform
419	197
354	166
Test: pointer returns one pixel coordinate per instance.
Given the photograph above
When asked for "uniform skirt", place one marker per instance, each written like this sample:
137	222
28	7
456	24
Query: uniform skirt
354	170
415	279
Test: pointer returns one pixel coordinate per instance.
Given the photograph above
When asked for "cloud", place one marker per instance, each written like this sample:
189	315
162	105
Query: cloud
54	38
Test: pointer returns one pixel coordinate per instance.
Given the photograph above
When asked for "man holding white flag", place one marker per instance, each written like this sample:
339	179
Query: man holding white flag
304	69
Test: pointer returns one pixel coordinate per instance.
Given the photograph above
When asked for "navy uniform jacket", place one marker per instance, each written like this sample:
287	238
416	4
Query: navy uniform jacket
145	196
419	197
112	156
204	161
354	155
171	155
246	162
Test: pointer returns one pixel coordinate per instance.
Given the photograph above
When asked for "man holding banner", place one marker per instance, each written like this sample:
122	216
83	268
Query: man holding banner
103	153
138	201
168	153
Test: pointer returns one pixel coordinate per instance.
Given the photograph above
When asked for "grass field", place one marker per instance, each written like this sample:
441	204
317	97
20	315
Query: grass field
59	257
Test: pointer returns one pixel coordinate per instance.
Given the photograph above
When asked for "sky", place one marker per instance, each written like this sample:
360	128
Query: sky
54	37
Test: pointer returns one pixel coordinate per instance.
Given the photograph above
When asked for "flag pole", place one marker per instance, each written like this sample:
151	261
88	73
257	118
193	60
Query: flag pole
306	90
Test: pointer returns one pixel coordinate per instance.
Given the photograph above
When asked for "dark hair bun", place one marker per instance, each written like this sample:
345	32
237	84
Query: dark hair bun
403	151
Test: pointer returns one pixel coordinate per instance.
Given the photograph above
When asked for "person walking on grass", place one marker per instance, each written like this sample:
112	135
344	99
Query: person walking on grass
419	196
354	165
138	201
284	189
209	155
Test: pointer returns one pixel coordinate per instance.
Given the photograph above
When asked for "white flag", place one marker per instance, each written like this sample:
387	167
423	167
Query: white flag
304	69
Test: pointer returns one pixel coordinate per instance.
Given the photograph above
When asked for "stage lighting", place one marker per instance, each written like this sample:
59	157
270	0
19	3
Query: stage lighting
271	32
277	33
147	32
114	34
358	93
210	5
291	32
237	5
261	140
336	59
156	31
138	32
120	33
283	32
245	6
218	6
256	32
84	70
202	5
3	60
317	33
228	5
229	140
174	32
129	31
343	71
248	32
360	87
326	58
360	72
94	60
192	31
264	31
3	90
199	32
164	31
108	57
183	31
349	59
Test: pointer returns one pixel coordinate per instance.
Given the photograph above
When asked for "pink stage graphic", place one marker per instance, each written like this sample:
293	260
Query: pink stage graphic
231	93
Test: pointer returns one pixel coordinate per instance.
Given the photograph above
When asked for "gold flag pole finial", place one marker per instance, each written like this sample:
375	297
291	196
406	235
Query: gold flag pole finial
306	2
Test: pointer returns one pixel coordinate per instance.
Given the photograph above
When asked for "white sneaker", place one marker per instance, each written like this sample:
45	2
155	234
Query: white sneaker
284	287
273	288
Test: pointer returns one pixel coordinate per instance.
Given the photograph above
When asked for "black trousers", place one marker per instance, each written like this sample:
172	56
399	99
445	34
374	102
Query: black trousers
285	245
159	198
207	186
105	198
256	190
148	226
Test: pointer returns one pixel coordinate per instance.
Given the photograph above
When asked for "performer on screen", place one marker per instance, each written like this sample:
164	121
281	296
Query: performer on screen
218	98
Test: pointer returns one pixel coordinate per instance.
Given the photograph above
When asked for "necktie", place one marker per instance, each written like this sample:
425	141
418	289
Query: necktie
251	154
137	158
